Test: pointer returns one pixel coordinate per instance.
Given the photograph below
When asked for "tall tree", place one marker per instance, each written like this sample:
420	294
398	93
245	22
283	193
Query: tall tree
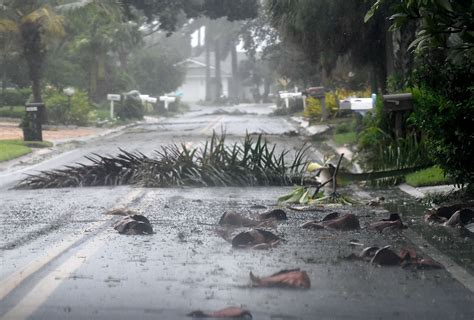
38	26
328	29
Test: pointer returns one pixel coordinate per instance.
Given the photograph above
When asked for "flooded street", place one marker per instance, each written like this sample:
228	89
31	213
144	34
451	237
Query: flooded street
62	259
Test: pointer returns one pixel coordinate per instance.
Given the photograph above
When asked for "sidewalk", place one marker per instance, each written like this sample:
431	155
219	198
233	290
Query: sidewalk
10	130
58	135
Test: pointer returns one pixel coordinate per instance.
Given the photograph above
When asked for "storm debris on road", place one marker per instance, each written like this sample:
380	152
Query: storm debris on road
294	278
275	214
387	257
335	221
230	312
255	238
235	219
133	225
252	162
394	222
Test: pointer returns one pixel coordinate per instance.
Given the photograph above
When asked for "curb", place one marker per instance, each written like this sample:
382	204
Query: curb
421	192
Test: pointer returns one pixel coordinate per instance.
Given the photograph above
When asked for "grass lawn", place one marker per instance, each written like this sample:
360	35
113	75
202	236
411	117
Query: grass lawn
427	177
345	138
11	149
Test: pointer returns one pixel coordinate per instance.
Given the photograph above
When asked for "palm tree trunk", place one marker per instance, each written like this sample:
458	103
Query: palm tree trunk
208	67
218	76
235	74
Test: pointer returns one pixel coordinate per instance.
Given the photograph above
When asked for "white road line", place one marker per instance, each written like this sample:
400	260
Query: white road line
40	293
12	281
37	165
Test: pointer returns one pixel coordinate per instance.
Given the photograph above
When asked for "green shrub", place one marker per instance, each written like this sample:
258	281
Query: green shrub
130	107
15	97
59	111
448	128
12	112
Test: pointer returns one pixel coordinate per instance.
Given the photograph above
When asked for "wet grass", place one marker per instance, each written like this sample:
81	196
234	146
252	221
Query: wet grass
9	151
427	177
345	138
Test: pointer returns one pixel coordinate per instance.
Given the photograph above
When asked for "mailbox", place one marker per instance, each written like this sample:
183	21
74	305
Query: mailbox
316	92
32	130
398	102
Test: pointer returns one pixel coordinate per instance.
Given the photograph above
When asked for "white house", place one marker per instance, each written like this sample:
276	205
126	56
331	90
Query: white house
193	88
194	85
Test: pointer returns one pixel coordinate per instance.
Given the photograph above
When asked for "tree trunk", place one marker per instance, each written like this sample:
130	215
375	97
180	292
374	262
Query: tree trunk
208	67
235	92
218	76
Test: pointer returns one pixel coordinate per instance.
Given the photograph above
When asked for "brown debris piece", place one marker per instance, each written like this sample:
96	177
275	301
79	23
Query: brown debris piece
369	252
394	222
345	222
386	257
444	213
283	279
428	264
237	220
230	312
275	214
460	218
132	225
254	237
408	254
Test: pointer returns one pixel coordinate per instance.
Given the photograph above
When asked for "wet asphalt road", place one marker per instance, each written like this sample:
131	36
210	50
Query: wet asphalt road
60	258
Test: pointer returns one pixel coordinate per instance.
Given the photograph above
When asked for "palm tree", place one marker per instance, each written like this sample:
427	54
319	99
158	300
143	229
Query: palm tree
37	25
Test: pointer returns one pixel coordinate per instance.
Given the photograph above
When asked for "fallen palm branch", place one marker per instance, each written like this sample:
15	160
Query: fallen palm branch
253	162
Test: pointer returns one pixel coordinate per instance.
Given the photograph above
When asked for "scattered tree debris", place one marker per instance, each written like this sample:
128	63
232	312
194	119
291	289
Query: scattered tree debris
293	278
275	214
131	225
461	217
394	222
255	237
387	257
252	162
444	213
345	222
230	312
235	219
375	203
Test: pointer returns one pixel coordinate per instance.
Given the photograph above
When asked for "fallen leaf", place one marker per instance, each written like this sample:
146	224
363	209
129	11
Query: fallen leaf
346	222
386	257
132	225
236	219
276	214
230	312
428	264
460	218
283	279
444	213
254	237
369	252
394	222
